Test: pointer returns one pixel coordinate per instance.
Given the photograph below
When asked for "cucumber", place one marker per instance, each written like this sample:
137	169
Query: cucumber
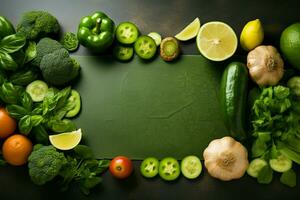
75	101
281	164
255	166
233	96
191	167
156	37
37	90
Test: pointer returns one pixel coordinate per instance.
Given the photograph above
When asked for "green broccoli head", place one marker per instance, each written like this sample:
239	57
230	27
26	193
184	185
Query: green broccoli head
38	24
44	47
45	163
58	67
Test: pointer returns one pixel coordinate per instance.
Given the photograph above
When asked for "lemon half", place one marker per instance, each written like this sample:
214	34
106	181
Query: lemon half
216	41
190	31
66	141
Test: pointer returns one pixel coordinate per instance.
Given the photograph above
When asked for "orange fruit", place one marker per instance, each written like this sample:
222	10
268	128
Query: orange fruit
16	149
7	124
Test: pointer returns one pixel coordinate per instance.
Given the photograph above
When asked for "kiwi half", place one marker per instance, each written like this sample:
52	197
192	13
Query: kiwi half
169	49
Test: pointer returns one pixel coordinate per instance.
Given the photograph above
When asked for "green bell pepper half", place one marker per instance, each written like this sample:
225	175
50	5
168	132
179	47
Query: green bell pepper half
6	28
96	32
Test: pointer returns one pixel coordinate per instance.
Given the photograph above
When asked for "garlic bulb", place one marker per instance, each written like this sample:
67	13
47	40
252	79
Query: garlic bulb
265	65
226	159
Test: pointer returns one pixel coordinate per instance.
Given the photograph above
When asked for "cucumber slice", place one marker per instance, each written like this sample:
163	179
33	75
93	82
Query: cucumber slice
37	90
191	167
75	102
281	164
255	166
156	37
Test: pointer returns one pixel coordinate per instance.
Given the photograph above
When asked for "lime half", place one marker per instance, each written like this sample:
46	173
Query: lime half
216	41
190	31
66	141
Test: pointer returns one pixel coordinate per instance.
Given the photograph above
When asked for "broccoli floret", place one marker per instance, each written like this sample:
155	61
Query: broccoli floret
44	47
45	163
58	67
38	24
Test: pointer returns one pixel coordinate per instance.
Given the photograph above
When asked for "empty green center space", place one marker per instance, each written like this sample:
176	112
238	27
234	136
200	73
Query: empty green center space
140	109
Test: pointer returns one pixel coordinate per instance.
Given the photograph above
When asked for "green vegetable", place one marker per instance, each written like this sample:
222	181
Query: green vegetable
45	46
191	167
149	167
30	52
289	178
294	85
45	163
123	53
6	27
281	164
10	58
37	90
169	169
10	93
256	166
145	47
24	77
156	37
35	25
58	68
169	49
75	104
96	32
265	175
234	98
70	41
127	33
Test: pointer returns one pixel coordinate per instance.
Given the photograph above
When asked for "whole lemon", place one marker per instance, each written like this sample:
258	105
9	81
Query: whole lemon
290	44
252	35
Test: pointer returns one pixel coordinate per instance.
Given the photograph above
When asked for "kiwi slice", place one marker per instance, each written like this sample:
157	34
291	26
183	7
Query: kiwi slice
169	49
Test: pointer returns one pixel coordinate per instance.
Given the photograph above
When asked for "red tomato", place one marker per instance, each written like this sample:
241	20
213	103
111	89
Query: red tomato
121	167
7	124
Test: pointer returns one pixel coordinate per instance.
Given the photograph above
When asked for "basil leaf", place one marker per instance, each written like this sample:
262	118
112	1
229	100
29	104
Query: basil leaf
24	77
289	178
30	52
7	62
10	93
2	77
25	125
258	148
62	97
36	120
26	101
265	175
102	165
12	43
16	111
83	152
40	134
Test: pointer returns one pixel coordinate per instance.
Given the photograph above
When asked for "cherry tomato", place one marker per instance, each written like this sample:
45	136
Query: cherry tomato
7	124
121	167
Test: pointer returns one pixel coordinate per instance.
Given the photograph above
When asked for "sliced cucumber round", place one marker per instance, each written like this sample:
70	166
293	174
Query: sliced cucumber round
191	167
156	37
75	102
37	90
281	164
255	166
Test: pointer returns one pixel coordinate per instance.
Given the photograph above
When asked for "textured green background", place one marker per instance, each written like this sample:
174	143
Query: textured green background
155	108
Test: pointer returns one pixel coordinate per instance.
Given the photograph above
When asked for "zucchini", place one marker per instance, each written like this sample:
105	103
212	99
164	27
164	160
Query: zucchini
233	96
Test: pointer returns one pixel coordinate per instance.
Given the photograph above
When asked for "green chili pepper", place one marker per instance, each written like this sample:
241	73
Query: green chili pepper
96	32
6	28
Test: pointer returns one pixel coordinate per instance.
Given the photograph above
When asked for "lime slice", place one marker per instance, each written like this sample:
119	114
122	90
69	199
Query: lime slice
190	31
66	141
216	41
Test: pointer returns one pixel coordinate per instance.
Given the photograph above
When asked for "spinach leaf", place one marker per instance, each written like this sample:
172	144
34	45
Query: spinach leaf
265	175
83	152
25	124
12	43
7	62
60	126
16	111
88	183
30	52
289	178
